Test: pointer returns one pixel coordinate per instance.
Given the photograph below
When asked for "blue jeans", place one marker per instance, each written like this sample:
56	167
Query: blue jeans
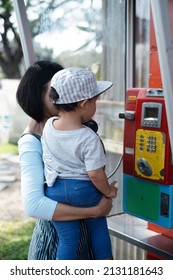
80	193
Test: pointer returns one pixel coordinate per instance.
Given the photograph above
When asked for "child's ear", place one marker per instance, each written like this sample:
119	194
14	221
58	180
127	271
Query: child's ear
82	104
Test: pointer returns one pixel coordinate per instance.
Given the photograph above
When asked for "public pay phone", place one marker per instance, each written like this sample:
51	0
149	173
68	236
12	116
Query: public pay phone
147	158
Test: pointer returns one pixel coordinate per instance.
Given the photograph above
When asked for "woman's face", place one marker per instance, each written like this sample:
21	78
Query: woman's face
49	108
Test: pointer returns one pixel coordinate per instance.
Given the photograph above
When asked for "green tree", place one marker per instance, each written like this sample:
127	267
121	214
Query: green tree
10	46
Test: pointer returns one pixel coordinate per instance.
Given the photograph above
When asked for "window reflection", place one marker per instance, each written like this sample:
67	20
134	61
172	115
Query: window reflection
92	34
88	34
142	43
113	68
72	30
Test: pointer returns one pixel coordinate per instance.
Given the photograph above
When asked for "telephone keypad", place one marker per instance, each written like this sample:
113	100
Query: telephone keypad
150	146
150	143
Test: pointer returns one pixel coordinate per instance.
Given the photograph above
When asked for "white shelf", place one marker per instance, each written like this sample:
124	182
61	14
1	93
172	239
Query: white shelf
113	146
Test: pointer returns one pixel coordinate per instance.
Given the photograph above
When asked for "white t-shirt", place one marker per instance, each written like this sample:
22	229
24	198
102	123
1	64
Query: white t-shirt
70	154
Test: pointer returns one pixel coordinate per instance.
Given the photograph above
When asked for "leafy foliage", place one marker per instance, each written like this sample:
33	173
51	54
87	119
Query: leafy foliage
10	46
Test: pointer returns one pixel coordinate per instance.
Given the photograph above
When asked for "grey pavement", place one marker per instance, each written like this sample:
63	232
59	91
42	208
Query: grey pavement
10	194
7	174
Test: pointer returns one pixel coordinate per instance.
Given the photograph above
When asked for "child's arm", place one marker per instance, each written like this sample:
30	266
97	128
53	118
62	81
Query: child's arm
99	179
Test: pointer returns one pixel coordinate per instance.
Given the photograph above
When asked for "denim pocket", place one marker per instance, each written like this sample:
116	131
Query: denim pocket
83	193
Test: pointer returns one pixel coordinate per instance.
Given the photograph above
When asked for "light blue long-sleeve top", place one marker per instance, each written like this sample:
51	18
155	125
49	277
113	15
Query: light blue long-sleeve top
35	203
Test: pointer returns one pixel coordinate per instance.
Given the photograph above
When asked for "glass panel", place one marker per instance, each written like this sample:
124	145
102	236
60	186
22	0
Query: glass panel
91	34
113	68
142	44
68	31
10	72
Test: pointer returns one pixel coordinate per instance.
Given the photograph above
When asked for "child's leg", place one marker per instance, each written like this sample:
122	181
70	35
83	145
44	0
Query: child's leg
100	239
68	234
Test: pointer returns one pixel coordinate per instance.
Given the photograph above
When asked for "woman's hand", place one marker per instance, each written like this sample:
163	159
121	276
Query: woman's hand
104	207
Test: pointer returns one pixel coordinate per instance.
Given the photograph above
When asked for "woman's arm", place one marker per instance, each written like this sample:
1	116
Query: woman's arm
65	212
35	203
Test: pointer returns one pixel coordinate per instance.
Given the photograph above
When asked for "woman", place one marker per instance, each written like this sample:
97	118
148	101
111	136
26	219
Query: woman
33	97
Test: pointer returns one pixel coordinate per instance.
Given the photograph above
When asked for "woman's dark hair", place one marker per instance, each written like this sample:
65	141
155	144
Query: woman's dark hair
33	85
61	107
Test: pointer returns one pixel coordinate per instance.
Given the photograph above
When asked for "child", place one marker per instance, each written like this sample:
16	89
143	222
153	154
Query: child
74	159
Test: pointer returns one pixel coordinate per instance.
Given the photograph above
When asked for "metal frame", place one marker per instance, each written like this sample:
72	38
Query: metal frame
130	44
164	39
24	32
134	231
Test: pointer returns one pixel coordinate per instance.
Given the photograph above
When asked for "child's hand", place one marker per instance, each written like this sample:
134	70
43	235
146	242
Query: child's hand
113	190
